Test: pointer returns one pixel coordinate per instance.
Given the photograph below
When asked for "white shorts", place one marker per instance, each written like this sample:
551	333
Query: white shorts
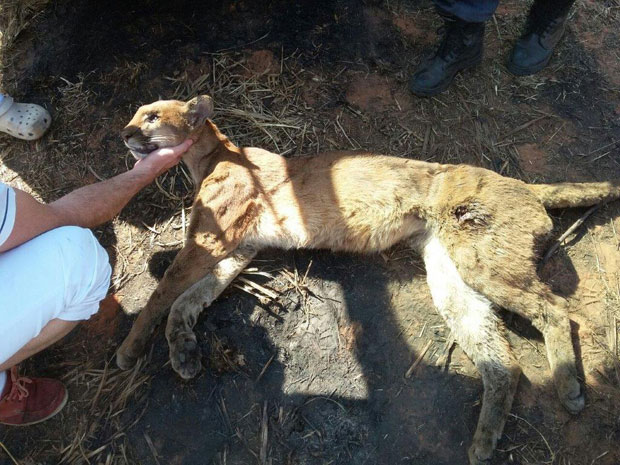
63	273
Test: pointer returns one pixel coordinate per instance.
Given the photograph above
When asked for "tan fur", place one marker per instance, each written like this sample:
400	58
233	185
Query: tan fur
570	195
479	234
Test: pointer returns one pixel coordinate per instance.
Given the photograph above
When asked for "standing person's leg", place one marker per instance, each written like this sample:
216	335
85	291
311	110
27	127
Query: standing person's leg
461	46
544	29
26	121
471	11
48	284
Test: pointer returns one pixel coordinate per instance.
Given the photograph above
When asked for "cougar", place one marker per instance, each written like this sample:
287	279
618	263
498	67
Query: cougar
479	233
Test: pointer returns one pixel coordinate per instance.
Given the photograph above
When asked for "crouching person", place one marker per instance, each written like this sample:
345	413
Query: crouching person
53	274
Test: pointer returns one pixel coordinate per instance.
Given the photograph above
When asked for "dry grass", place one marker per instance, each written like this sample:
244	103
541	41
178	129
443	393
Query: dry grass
99	434
262	110
15	17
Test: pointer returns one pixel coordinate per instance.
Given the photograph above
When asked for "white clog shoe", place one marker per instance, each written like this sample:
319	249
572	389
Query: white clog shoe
23	120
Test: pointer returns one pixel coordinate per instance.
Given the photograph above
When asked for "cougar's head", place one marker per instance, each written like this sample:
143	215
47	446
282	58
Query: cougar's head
165	123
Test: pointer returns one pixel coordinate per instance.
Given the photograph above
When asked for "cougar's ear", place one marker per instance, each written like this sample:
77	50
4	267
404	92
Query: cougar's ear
199	110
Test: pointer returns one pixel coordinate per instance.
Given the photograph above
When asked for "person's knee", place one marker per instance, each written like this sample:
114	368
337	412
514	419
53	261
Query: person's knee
89	271
97	257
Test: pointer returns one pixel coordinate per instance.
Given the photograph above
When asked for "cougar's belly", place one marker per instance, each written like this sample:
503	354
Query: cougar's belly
284	228
333	230
375	233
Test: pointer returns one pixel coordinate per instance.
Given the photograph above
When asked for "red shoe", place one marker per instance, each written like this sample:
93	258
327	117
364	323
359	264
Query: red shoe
26	401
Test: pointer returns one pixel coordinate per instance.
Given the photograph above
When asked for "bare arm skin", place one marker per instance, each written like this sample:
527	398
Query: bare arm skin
91	205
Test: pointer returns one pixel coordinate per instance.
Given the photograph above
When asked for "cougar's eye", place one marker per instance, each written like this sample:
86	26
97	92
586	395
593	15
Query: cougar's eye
151	118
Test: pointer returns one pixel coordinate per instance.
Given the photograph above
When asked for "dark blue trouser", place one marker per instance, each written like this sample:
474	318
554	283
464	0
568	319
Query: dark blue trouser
472	11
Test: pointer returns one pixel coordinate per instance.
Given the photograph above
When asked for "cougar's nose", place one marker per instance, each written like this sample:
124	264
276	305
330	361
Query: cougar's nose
128	131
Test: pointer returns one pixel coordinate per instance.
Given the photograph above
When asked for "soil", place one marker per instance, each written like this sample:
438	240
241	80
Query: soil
531	159
317	374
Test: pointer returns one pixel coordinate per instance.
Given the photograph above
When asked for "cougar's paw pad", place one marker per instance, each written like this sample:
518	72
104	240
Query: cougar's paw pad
185	355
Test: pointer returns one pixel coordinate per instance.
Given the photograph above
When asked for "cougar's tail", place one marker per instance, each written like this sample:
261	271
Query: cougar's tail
567	194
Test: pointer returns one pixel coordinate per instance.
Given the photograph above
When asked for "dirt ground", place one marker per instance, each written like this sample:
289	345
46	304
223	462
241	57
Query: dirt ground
308	365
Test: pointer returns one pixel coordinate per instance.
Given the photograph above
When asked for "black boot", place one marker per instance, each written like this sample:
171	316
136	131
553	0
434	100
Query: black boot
545	27
460	48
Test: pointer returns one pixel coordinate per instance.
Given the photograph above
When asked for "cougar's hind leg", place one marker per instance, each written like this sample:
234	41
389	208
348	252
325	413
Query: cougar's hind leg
549	314
184	351
497	258
480	333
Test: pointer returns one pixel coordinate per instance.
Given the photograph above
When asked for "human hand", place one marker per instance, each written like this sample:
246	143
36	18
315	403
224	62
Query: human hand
161	160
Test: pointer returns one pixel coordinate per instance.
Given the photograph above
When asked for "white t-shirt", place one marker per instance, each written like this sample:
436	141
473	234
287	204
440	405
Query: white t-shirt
7	211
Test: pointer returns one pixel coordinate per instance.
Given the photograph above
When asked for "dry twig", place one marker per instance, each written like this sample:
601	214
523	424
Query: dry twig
568	232
417	361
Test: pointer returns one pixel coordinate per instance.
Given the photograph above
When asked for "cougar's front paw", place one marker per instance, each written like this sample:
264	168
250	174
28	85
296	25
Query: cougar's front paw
185	355
570	392
125	361
481	449
482	446
127	355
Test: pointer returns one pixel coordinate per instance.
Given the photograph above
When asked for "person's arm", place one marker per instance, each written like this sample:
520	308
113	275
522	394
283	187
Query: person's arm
90	205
